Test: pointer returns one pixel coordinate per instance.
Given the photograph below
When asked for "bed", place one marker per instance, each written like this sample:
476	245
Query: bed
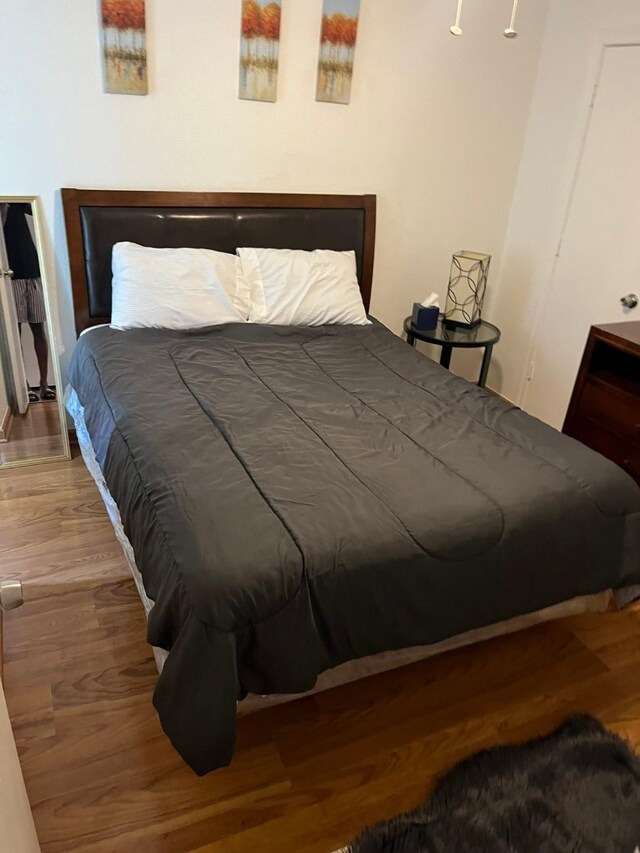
311	504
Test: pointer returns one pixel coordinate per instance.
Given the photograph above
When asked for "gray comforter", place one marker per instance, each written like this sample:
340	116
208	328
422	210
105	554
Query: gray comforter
297	498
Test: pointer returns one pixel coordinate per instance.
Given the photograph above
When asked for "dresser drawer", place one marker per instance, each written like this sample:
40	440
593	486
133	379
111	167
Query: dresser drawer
624	453
611	407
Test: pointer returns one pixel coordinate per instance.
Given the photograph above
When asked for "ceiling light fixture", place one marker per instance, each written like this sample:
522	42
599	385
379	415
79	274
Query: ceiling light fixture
455	29
510	32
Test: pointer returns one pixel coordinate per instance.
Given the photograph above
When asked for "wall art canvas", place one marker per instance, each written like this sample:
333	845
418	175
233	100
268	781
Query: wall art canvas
124	47
337	49
259	49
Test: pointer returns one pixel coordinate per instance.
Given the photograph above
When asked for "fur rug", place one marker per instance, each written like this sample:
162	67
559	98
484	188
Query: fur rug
578	790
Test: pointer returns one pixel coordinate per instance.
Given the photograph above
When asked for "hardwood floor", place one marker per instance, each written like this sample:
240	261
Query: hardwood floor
307	776
35	434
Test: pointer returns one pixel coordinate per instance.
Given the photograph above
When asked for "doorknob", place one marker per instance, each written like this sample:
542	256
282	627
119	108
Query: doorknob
6	272
629	301
10	595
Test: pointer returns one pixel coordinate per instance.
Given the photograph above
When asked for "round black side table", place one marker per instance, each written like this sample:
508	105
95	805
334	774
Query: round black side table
483	335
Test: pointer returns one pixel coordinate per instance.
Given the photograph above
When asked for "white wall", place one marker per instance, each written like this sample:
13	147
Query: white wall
435	126
576	29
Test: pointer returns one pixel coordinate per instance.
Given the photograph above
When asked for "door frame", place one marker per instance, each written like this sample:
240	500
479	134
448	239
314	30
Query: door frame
601	44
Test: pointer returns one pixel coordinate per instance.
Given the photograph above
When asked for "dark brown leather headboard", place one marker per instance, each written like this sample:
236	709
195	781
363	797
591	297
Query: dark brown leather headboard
96	219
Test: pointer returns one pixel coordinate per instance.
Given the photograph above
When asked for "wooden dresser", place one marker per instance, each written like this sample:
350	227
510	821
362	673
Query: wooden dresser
604	412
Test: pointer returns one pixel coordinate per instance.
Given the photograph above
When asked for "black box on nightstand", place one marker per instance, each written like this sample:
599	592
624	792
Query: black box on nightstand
424	318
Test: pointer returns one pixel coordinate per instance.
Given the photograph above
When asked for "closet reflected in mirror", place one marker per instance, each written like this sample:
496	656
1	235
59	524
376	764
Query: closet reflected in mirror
32	421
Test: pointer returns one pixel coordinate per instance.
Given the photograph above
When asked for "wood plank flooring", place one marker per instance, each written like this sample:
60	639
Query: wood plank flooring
34	435
306	776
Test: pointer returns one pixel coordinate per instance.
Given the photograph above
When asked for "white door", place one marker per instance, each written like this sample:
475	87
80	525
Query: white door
599	257
17	830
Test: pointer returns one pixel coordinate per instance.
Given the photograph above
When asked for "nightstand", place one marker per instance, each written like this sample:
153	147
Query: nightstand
483	335
604	412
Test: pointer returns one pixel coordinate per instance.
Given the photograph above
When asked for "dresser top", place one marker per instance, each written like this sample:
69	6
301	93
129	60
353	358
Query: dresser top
627	332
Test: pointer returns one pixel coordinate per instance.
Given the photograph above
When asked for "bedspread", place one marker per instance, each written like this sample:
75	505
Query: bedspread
300	497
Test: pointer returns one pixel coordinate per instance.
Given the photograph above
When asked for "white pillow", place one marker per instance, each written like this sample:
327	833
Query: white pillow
295	288
174	288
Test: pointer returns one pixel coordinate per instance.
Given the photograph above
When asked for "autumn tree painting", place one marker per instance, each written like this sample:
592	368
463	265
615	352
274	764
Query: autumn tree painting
337	49
259	50
124	47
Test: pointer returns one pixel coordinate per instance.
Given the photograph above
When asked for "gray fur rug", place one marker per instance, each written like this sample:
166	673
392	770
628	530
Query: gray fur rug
577	790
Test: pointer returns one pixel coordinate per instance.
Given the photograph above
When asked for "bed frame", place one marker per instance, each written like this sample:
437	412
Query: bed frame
96	219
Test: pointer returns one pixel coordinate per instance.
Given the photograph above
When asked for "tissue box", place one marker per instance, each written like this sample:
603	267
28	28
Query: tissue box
423	318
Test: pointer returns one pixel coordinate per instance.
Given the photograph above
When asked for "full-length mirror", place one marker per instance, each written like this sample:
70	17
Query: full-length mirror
32	421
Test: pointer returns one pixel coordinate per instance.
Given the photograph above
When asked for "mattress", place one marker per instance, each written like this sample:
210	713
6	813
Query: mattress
299	498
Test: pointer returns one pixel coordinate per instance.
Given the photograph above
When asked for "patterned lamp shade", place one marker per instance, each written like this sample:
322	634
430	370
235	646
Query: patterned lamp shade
465	293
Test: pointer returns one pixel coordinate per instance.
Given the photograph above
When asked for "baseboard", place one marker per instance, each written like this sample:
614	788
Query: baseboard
5	425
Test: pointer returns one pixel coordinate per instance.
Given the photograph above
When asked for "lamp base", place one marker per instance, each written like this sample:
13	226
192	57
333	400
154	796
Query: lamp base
456	324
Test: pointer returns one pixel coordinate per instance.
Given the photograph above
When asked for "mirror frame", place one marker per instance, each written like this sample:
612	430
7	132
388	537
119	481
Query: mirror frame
52	337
